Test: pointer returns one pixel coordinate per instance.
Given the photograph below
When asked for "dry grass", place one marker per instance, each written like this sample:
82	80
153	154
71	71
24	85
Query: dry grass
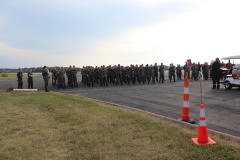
50	126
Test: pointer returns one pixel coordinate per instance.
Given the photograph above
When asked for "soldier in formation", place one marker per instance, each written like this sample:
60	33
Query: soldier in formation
172	73
54	76
179	72
69	76
46	77
161	72
113	75
205	71
194	72
74	76
20	81
187	69
155	73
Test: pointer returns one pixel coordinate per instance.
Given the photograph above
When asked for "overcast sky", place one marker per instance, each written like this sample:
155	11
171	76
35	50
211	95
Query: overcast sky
108	32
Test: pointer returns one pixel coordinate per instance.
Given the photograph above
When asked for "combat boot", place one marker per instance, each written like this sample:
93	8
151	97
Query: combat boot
214	86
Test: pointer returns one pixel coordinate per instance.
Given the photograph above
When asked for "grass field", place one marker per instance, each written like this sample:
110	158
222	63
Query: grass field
13	76
51	126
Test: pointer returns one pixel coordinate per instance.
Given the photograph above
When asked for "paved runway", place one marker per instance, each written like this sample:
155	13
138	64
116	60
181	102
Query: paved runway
222	106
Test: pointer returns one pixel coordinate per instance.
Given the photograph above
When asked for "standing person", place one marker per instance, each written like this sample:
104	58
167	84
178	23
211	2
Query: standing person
148	73
84	75
195	72
70	76
61	78
179	72
74	72
136	71
19	76
199	67
205	70
155	73
141	74
45	74
161	72
187	69
172	73
216	73
54	76
104	75
229	66
30	79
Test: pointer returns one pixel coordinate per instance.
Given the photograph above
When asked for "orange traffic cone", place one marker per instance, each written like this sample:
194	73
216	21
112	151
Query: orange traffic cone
203	138
185	115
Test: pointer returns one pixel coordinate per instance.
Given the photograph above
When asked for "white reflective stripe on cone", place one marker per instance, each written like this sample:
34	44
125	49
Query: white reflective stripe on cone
185	103
186	90
202	113
202	123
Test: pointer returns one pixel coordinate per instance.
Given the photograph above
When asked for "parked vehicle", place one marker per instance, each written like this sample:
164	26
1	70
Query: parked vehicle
232	80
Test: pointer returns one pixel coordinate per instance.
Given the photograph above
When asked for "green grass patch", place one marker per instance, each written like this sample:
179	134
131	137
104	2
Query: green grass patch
51	126
13	76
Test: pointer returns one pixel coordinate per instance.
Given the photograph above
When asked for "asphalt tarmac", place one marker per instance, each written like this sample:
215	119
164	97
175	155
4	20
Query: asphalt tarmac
222	106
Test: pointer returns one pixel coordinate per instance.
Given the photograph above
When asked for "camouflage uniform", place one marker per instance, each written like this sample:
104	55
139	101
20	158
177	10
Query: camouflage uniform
104	76
136	76
74	76
20	82
128	78
172	73
161	72
84	76
54	76
61	78
45	74
155	73
179	72
132	74
91	76
187	69
70	76
118	74
194	72
205	70
141	74
148	72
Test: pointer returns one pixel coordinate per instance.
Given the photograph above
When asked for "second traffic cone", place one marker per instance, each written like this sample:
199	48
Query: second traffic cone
185	115
203	138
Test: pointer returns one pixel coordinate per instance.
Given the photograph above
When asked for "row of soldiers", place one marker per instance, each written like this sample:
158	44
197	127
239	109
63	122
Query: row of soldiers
58	77
119	75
